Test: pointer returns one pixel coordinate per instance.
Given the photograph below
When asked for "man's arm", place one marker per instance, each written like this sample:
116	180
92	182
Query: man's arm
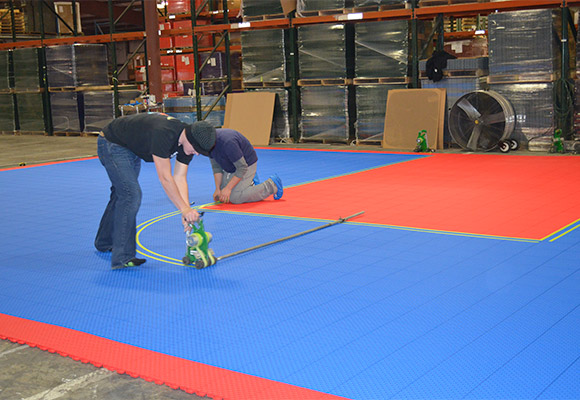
241	169
174	190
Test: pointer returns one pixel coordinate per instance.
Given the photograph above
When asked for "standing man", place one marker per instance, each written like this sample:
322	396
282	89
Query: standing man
122	144
234	163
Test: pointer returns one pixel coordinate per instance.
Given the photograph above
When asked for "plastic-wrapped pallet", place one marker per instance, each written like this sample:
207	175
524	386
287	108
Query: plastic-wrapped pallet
185	109
524	42
281	119
533	105
77	65
325	113
4	70
252	8
26	69
30	112
319	5
64	107
7	113
323	51
98	107
263	56
371	106
381	49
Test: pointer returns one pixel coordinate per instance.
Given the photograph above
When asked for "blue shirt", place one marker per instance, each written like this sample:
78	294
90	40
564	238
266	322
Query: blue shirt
230	146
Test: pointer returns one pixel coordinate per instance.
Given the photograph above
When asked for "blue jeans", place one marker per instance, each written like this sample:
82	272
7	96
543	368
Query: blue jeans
118	226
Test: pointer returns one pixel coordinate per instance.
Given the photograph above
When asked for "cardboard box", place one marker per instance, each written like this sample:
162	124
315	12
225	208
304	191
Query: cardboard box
251	114
410	111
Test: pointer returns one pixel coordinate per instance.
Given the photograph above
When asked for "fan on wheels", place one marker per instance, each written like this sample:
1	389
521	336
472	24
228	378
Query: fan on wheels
482	121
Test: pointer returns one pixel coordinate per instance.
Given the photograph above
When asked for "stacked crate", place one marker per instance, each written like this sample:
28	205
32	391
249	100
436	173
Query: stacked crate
380	5
258	9
264	69
308	8
524	65
184	108
29	96
6	97
326	64
71	70
97	108
381	64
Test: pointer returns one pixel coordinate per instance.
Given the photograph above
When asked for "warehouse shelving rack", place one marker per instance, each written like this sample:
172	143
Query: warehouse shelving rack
414	13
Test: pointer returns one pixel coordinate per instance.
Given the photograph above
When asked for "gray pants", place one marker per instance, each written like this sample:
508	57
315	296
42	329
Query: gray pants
245	191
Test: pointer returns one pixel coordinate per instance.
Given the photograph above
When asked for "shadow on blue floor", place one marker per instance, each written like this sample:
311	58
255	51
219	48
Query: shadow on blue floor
363	312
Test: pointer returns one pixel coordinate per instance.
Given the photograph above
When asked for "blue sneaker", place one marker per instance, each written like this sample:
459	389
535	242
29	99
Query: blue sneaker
256	180
276	179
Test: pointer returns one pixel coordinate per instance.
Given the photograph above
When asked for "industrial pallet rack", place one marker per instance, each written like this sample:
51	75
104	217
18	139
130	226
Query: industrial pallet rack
224	27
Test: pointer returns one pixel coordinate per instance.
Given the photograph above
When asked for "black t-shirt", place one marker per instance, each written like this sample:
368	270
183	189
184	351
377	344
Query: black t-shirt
147	135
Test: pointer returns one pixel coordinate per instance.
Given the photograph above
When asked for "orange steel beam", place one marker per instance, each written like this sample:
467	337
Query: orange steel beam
471	9
115	37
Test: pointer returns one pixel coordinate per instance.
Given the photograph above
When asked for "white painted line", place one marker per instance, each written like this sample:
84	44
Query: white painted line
65	389
14	350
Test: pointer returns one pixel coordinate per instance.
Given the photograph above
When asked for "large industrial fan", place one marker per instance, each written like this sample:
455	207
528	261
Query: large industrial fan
483	120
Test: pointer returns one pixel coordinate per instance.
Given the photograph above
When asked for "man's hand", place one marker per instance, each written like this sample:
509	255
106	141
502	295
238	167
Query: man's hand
189	216
216	195
225	195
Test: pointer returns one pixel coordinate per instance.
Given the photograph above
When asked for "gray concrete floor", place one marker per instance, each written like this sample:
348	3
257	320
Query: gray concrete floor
28	373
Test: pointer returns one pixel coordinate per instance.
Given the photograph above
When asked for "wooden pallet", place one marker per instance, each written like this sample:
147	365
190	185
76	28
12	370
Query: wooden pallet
90	134
382	81
384	7
66	133
266	17
325	140
324	82
8	133
321	13
477	73
40	133
429	3
523	78
78	89
261	85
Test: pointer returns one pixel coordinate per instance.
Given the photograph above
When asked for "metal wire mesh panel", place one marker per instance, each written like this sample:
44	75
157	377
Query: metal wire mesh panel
322	51
263	56
252	8
381	49
324	113
533	104
26	69
523	42
30	112
6	113
77	65
371	106
64	108
4	70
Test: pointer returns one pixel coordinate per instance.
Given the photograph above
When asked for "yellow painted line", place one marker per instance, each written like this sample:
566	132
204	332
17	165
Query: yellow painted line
562	229
565	233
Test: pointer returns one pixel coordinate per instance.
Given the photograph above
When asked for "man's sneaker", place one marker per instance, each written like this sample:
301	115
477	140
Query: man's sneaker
256	180
134	262
278	182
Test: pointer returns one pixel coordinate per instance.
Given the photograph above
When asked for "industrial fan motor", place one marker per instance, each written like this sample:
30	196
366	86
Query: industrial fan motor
483	120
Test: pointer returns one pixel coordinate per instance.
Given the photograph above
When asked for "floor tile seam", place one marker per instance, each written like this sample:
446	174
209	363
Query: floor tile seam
577	360
490	329
452	317
377	328
523	349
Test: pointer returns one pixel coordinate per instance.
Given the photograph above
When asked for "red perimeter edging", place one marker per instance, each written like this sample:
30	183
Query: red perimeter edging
162	369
